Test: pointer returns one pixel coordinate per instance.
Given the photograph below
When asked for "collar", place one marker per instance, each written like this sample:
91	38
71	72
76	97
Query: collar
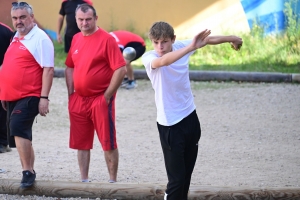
29	35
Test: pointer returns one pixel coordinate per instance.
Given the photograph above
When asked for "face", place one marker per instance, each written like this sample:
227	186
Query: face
86	22
22	21
163	45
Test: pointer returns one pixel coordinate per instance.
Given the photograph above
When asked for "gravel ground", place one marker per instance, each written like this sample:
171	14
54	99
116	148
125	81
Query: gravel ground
250	138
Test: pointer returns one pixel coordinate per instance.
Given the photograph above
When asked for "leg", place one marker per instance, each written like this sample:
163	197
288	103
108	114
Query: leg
191	151
129	73
20	127
26	153
84	163
32	158
112	161
20	122
67	44
81	132
131	82
172	142
104	122
180	148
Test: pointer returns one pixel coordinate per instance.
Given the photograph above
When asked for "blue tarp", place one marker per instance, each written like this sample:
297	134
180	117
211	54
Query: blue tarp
269	13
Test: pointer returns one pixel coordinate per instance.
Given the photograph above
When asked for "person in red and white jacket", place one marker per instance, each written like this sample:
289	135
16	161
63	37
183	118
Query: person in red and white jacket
126	39
25	81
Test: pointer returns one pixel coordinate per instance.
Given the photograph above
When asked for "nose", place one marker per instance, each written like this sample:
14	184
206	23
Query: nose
84	22
18	20
160	45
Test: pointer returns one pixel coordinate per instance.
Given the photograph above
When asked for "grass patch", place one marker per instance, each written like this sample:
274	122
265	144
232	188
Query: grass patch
59	55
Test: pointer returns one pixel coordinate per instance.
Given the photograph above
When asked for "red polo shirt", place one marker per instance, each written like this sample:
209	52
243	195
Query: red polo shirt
94	59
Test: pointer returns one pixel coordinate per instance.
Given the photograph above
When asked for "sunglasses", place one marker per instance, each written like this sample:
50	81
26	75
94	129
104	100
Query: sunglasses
20	4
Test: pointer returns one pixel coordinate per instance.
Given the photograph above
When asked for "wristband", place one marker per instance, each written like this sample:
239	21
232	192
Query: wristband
44	97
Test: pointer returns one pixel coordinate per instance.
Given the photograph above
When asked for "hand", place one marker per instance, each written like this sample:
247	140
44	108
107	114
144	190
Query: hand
199	40
44	107
107	100
237	43
59	40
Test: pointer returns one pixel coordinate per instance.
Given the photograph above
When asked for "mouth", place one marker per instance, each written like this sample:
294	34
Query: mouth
161	53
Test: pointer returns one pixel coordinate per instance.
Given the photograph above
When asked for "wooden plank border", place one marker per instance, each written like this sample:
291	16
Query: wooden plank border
63	189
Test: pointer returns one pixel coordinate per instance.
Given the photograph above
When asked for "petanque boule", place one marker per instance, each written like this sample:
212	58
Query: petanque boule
129	53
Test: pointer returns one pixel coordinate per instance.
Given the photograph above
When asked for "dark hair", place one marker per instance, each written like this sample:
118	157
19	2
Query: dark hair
85	7
161	30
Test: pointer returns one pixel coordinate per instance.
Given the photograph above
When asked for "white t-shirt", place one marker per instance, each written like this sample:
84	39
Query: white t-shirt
173	95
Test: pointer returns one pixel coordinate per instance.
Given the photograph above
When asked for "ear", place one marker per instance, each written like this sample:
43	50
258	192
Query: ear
174	38
32	18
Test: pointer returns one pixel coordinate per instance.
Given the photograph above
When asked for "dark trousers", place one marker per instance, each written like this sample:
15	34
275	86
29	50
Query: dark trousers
180	148
68	41
3	129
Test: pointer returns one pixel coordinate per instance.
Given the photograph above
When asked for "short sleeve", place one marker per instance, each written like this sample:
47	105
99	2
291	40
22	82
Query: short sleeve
46	53
62	10
114	55
147	59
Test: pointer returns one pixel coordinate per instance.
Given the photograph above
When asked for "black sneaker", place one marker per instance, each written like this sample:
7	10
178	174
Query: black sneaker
28	179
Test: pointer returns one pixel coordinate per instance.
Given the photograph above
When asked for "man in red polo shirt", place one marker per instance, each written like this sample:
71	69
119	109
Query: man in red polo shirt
95	70
25	81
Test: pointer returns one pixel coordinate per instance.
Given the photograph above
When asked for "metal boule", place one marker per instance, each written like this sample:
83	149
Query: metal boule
129	53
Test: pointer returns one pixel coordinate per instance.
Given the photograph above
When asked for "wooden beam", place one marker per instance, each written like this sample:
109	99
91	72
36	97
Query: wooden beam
63	189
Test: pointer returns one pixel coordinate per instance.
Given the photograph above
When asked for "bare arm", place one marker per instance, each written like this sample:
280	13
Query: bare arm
46	86
169	58
234	40
69	80
60	23
115	83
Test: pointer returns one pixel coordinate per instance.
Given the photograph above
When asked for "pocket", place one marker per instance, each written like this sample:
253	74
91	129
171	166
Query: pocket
110	101
71	101
164	134
32	104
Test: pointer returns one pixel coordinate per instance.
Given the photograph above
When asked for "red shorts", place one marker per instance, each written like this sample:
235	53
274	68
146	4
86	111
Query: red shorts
88	114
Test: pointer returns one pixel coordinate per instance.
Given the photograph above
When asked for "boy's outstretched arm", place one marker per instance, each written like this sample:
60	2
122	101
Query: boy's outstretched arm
234	40
169	58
